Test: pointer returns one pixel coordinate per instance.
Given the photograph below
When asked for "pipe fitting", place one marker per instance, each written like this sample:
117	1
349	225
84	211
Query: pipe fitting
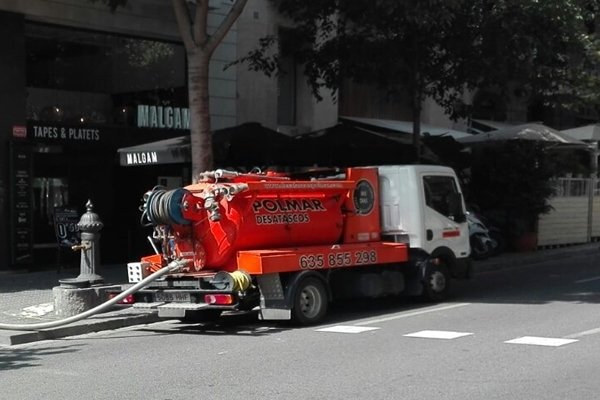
85	245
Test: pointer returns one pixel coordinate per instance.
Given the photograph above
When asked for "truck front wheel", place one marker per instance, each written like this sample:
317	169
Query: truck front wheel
310	301
436	283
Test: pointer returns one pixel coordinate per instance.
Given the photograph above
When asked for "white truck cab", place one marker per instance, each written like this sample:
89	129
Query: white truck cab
423	206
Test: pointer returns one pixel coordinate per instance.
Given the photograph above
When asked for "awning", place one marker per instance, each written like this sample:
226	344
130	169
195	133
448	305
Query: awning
168	151
484	125
345	145
252	145
530	132
249	144
406	127
586	132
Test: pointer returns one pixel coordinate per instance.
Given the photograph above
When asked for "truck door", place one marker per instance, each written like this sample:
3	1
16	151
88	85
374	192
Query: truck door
441	227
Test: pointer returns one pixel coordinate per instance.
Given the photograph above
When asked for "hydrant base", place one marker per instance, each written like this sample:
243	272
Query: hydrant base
72	301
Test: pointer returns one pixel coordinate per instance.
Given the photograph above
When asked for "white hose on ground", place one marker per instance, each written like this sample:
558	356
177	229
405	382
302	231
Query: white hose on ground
174	266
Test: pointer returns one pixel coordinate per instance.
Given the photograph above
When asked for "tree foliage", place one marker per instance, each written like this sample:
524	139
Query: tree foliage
439	48
547	49
511	183
411	48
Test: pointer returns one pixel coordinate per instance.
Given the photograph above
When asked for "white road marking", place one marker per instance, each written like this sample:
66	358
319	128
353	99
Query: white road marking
346	329
541	341
438	334
588	280
584	333
411	314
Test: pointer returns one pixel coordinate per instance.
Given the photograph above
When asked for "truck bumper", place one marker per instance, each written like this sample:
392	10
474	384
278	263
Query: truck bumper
172	310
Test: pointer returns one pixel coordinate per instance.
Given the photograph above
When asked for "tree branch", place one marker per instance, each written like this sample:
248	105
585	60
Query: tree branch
184	22
201	23
217	37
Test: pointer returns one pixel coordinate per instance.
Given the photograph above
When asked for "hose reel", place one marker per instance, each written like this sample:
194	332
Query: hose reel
163	207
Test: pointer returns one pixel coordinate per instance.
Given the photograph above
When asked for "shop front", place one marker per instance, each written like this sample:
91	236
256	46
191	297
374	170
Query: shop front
55	169
83	92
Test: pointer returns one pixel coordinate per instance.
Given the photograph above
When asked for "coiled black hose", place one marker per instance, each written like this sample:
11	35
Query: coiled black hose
163	207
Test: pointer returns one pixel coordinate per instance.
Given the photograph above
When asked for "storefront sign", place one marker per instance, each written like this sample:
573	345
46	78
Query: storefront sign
19	131
22	210
140	158
163	117
66	133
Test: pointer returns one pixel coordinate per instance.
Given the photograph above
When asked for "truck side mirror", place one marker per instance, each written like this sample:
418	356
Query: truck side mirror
456	209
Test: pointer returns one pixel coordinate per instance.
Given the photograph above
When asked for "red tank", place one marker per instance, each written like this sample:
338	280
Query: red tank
248	211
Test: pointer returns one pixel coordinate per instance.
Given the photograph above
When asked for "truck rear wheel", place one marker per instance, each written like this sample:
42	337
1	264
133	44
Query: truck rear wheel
310	302
436	283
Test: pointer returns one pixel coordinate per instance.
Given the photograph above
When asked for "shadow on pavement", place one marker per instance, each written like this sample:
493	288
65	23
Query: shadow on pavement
11	359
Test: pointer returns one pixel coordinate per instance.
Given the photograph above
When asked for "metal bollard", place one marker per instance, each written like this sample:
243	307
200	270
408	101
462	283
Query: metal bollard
89	226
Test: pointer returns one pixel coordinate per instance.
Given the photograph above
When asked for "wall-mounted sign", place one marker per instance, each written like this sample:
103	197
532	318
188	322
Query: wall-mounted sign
65	133
19	131
65	226
163	117
364	197
139	158
21	205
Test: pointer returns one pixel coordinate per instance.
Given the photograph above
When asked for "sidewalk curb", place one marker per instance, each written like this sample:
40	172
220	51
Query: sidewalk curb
89	325
516	260
128	317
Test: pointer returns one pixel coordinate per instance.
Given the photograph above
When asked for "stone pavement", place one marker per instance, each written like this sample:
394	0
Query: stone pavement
27	298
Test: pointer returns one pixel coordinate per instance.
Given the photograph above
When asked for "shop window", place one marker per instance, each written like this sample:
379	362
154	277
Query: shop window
83	77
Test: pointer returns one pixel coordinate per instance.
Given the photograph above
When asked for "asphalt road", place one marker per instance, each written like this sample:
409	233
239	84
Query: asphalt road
523	333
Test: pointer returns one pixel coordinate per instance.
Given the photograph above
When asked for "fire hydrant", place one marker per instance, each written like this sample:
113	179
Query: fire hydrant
89	225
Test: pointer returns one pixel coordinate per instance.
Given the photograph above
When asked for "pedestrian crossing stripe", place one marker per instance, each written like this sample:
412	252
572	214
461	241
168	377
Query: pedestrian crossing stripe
541	341
347	329
447	335
438	334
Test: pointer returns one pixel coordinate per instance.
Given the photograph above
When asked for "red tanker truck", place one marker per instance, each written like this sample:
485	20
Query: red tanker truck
288	245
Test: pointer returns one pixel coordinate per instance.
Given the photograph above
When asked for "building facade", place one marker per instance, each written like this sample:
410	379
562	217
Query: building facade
79	81
75	79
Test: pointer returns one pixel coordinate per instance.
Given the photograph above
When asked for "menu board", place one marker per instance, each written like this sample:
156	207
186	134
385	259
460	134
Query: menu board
65	226
21	204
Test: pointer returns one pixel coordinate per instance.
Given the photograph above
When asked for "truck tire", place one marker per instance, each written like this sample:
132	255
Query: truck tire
310	301
436	283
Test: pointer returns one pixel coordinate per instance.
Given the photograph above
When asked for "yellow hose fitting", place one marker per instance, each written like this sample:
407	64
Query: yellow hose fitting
241	280
235	281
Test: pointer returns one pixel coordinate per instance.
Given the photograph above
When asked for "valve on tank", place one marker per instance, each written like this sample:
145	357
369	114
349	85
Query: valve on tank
212	206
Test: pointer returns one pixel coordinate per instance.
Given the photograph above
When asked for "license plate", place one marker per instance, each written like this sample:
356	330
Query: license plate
181	297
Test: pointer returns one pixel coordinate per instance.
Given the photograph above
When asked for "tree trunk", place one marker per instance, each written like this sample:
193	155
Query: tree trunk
199	45
200	134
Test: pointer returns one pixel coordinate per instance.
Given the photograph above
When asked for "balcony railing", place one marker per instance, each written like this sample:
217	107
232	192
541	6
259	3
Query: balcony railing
575	187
